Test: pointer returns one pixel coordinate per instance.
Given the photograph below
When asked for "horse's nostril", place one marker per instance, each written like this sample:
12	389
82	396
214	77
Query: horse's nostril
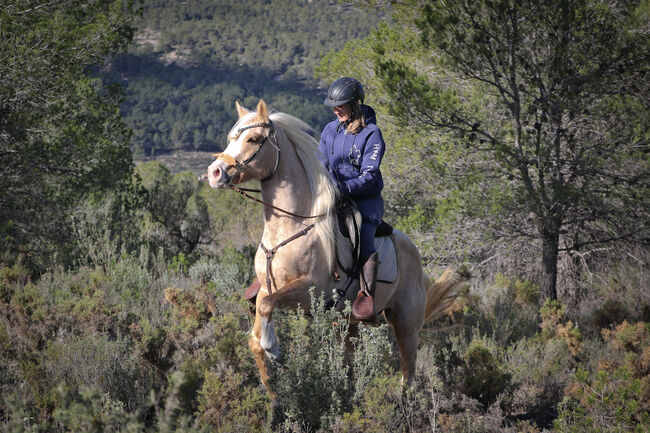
216	173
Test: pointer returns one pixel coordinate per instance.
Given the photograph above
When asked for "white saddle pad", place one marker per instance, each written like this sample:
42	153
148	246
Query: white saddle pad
385	247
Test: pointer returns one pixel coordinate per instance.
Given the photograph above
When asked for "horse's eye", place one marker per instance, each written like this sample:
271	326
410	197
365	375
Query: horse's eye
254	139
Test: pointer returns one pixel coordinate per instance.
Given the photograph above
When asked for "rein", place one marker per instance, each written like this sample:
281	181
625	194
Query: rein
243	191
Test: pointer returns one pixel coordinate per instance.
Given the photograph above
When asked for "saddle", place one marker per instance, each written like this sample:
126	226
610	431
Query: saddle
348	239
349	220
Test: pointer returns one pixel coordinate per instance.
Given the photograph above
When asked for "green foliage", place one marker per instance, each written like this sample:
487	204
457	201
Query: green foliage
507	310
614	397
177	215
372	356
483	378
61	135
314	381
501	103
187	219
109	338
226	393
102	364
192	61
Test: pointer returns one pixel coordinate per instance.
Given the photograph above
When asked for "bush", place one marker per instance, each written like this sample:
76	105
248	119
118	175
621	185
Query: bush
483	378
98	362
227	403
615	397
315	383
506	310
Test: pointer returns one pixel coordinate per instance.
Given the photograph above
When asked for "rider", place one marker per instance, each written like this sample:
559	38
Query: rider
351	148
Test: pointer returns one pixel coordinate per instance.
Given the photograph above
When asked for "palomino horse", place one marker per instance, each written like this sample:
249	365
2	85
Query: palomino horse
297	250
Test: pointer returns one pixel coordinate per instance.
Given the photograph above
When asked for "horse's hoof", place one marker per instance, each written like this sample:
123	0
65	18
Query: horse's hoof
277	415
273	354
271	348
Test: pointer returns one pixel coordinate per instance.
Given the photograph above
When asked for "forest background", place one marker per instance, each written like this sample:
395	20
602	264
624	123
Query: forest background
517	140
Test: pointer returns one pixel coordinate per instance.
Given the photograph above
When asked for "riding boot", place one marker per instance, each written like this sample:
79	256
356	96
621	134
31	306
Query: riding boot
363	307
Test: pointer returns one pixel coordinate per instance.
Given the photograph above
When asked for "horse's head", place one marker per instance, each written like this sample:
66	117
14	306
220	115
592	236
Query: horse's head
252	151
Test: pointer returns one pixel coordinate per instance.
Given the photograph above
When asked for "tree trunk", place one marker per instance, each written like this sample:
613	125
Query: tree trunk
548	281
571	268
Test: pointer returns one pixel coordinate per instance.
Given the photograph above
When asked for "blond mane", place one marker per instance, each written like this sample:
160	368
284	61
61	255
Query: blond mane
322	191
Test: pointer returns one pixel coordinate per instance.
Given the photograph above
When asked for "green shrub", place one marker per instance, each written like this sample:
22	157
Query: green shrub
612	312
314	383
372	357
226	278
179	264
506	310
153	344
93	411
227	403
205	269
27	300
616	396
99	362
10	278
541	366
128	282
231	345
191	309
483	377
85	411
445	354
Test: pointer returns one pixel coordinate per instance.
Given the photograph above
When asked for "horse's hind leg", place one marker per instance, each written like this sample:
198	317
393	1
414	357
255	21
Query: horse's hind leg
406	322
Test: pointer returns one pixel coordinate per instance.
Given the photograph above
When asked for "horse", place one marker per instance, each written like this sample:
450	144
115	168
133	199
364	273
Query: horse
298	246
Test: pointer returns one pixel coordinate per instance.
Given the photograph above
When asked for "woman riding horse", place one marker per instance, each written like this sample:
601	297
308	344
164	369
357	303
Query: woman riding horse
297	250
351	148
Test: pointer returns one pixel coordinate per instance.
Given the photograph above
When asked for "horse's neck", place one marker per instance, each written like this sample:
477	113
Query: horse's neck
289	190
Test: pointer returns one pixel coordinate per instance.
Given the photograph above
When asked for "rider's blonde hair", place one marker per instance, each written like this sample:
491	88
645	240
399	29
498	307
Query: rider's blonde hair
357	120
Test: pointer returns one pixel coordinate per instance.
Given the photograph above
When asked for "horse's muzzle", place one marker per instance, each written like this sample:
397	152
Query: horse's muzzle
218	174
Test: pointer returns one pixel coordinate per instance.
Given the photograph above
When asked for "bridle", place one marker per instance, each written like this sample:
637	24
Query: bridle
233	163
238	166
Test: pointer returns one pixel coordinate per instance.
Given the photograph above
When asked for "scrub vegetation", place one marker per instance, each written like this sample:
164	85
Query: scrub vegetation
121	284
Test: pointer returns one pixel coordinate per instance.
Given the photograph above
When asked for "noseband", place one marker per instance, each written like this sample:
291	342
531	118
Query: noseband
238	166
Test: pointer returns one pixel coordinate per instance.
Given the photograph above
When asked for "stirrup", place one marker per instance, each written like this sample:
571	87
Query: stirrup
251	292
363	307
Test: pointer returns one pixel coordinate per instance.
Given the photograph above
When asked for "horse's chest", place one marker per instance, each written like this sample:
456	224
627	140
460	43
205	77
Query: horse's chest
285	262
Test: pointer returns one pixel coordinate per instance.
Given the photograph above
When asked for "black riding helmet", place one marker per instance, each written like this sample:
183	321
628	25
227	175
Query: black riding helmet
344	90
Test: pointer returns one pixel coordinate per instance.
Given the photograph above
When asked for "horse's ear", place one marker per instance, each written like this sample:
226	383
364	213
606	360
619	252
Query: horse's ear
263	111
241	111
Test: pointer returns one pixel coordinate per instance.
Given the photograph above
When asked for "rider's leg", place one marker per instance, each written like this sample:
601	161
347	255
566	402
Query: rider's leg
363	307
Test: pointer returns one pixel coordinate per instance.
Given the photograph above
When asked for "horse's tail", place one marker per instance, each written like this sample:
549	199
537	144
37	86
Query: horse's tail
442	292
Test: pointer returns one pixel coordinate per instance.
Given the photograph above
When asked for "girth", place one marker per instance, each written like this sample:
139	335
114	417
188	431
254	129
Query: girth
271	253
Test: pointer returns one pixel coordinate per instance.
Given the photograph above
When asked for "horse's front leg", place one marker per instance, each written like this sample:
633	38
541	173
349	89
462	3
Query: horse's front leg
292	295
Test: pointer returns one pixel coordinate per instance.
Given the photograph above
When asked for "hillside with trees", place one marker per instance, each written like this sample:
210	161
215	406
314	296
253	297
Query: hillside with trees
518	149
192	60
